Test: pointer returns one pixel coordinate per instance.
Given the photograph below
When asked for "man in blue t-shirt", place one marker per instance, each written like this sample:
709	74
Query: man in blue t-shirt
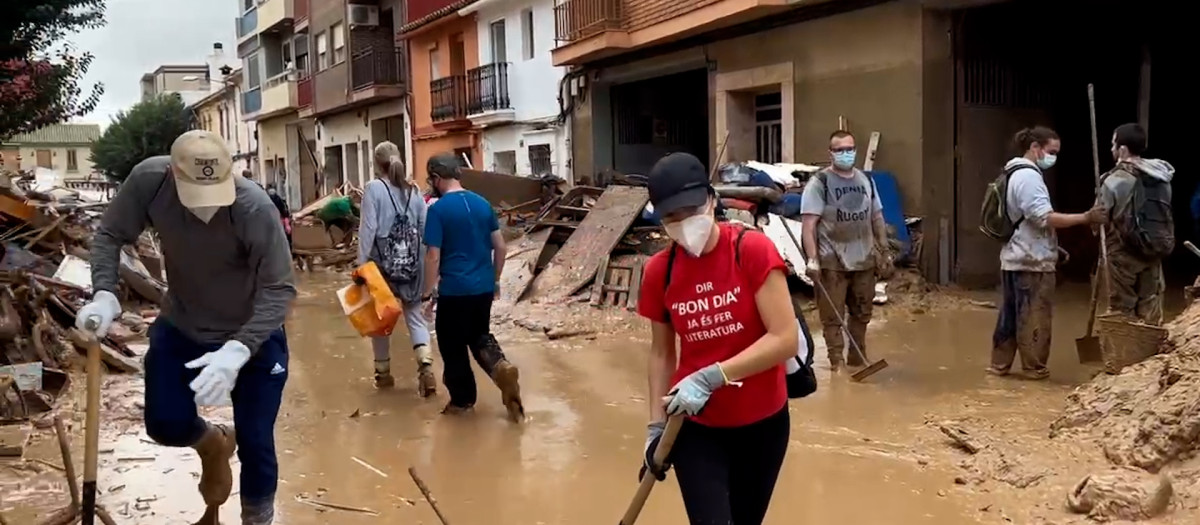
465	256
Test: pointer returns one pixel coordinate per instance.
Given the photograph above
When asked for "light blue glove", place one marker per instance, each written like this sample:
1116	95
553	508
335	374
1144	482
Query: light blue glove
218	374
691	394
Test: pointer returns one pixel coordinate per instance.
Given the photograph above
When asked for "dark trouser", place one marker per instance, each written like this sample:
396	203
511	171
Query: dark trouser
1137	287
171	417
1024	322
463	323
727	475
851	293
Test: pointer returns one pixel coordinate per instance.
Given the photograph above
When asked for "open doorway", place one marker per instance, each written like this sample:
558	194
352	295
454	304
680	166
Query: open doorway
657	116
1007	79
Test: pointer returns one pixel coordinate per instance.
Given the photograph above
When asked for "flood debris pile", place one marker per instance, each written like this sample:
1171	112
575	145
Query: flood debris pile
1124	494
318	245
1147	417
45	238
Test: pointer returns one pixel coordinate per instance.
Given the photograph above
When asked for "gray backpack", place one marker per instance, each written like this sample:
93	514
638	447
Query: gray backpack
399	254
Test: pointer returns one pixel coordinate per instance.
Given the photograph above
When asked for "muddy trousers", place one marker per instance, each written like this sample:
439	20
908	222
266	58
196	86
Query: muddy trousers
171	417
1023	326
1137	288
463	326
851	293
727	475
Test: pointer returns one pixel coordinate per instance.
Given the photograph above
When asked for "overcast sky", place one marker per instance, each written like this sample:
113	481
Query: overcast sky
144	34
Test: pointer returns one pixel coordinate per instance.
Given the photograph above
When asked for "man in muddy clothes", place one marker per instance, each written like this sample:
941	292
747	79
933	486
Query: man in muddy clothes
464	257
1136	276
1028	261
220	336
845	242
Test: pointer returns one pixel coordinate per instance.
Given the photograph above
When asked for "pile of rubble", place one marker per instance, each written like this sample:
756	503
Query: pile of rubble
45	238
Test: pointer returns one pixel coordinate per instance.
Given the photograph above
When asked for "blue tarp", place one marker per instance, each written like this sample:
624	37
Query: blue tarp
893	212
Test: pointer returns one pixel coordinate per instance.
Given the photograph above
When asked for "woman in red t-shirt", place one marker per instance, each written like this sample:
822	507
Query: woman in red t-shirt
721	289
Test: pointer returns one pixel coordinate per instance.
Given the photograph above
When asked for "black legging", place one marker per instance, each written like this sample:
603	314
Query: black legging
727	475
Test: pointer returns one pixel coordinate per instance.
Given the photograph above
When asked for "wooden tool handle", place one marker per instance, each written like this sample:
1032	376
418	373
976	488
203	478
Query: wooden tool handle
660	456
91	436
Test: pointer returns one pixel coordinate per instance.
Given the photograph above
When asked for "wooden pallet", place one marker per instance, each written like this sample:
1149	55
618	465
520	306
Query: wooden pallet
617	285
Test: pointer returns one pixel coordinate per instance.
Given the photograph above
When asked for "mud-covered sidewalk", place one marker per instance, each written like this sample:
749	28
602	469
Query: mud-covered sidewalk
867	453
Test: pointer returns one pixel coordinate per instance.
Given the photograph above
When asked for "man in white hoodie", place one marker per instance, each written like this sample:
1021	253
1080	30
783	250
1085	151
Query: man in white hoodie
1136	247
1029	259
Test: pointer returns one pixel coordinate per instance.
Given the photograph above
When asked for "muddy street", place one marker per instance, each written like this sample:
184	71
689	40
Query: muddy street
861	453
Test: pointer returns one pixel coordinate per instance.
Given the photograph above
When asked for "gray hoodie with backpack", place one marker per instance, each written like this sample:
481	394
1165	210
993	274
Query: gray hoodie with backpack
381	202
1034	245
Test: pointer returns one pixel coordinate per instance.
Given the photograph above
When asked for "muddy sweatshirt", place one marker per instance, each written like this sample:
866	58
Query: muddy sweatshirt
230	279
1116	192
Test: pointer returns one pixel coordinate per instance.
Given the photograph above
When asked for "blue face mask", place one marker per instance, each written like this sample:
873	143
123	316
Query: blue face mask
844	159
1048	161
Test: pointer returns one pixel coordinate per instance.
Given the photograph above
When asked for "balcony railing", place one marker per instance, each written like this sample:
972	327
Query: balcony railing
247	23
252	101
449	98
301	10
487	88
375	66
304	92
579	19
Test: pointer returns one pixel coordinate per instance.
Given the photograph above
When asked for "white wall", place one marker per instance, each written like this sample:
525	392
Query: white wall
344	129
533	83
519	138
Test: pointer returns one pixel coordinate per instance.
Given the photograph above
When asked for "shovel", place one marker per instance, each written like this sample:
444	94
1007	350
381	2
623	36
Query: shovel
648	480
870	369
1088	346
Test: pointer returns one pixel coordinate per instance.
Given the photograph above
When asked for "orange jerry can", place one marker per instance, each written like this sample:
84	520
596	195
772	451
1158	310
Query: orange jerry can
371	307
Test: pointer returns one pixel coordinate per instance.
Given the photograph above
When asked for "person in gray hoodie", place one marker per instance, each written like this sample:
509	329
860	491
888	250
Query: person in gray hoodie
1137	280
393	221
1028	261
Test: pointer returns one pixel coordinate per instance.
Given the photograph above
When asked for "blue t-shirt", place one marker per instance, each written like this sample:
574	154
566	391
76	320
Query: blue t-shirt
461	225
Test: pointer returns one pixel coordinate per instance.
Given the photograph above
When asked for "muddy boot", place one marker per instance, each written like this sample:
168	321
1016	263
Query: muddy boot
452	409
426	382
506	376
383	374
260	513
210	516
215	449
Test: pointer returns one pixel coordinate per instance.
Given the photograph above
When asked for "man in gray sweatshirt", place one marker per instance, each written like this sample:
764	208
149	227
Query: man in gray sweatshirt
220	337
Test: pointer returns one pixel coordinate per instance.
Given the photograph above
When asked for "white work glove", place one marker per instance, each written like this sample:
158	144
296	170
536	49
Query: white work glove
220	370
105	307
813	268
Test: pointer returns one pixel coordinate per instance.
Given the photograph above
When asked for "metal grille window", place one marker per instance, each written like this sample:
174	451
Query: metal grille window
505	162
539	159
768	127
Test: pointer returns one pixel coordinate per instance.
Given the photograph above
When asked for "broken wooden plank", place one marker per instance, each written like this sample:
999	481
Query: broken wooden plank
635	286
13	439
520	267
593	241
598	288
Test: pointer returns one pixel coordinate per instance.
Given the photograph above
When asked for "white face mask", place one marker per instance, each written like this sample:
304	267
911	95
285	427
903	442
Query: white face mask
693	232
205	213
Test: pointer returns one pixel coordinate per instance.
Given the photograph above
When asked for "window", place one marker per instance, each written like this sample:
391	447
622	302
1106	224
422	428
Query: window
221	116
339	42
527	34
435	69
499	53
505	162
300	46
464	157
322	51
286	52
768	127
253	72
72	161
539	159
247	5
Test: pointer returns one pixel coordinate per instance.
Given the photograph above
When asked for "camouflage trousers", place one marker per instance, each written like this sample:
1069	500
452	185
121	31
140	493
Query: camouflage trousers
850	293
1137	287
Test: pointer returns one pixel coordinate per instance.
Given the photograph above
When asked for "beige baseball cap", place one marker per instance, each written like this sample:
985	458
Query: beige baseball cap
203	170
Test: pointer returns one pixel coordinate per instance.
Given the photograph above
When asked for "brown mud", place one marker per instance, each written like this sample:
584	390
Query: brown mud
869	453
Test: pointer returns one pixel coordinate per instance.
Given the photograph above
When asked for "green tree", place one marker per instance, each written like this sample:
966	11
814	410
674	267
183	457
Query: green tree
39	73
145	130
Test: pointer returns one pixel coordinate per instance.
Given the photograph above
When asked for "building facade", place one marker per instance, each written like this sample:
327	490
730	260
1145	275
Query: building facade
191	82
221	112
514	94
443	46
358	83
64	148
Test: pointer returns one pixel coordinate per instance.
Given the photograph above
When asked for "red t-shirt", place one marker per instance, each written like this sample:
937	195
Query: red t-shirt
711	303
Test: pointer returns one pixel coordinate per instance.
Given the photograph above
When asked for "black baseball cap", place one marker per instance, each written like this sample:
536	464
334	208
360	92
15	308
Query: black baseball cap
677	181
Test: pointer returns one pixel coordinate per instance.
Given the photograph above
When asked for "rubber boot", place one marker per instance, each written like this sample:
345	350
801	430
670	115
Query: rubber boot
215	449
383	374
258	513
426	382
210	516
503	373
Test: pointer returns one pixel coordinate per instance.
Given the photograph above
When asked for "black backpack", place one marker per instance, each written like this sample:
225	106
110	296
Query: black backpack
1148	229
994	220
399	253
802	381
